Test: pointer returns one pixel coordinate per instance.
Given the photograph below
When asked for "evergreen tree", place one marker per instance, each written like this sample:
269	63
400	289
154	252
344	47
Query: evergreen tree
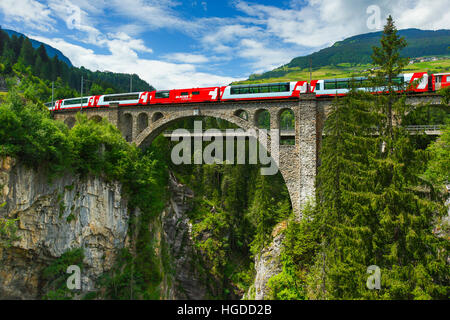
387	58
27	56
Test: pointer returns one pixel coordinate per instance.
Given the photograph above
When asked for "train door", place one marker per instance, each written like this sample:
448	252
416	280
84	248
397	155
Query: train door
438	82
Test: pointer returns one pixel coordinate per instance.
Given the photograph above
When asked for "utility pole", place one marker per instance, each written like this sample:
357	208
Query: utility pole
81	98
310	69
131	83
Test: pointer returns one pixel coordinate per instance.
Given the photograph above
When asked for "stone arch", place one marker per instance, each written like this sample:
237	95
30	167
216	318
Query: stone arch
96	118
142	122
241	113
157	116
70	122
431	107
126	126
285	121
145	138
262	119
283	124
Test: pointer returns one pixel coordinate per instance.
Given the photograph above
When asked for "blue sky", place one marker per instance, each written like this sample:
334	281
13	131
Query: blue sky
179	44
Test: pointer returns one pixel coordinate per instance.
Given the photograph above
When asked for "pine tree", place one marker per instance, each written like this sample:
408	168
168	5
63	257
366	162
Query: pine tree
27	53
343	210
387	58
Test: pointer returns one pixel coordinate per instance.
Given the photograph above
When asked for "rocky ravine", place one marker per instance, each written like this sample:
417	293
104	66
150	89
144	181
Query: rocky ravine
54	218
69	212
92	214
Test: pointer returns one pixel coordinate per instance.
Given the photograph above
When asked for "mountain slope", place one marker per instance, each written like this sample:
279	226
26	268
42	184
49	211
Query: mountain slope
358	49
51	52
18	57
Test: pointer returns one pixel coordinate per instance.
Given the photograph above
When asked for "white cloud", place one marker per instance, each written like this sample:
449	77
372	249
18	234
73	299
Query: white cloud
422	14
153	13
162	75
29	12
263	58
187	57
322	22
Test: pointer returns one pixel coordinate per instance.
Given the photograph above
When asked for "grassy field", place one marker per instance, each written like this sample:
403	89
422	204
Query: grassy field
345	70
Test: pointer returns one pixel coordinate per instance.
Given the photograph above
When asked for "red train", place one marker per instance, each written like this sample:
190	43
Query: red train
417	82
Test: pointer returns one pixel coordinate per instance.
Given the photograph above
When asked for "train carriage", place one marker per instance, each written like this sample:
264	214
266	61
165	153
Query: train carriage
192	95
414	82
440	81
281	90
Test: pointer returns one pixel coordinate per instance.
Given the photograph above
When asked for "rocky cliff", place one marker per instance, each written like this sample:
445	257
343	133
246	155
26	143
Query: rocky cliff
188	283
267	265
54	217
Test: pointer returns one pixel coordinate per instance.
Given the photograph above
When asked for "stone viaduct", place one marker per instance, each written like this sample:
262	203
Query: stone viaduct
297	163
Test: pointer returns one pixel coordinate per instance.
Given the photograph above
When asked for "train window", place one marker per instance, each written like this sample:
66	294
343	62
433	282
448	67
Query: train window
318	86
342	85
274	88
121	97
254	89
74	101
330	85
398	80
162	94
277	87
185	93
264	89
195	93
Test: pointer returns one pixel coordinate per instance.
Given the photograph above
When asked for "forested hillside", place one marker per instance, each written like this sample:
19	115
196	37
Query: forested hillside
51	52
357	50
17	55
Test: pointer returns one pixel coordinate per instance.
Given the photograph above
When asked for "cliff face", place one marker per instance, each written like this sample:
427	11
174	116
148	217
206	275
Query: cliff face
187	283
267	265
55	217
67	213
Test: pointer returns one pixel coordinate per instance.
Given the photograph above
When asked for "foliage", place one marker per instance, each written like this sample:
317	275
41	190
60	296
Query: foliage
8	231
28	133
56	275
438	171
300	245
445	92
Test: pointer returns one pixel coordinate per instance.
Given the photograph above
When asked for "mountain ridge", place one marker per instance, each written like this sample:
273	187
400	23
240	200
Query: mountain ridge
51	51
357	50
